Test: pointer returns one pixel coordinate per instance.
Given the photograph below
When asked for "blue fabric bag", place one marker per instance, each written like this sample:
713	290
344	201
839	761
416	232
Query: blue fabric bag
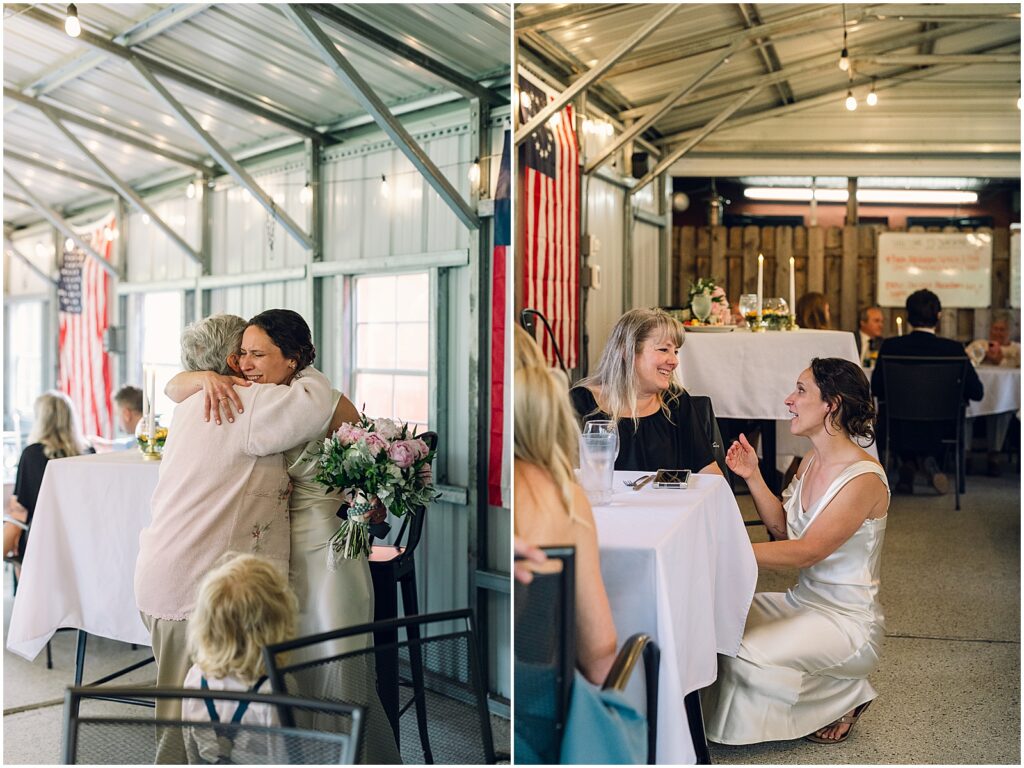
602	728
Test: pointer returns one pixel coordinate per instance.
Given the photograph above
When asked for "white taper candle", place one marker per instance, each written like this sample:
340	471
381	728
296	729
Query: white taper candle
760	286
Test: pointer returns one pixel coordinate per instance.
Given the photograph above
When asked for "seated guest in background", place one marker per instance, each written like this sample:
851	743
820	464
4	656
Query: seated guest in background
921	441
812	311
997	349
550	507
869	334
635	385
56	434
129	408
242	605
806	654
221	489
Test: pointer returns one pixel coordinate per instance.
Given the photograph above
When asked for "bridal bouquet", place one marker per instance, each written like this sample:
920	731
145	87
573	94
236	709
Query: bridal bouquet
378	465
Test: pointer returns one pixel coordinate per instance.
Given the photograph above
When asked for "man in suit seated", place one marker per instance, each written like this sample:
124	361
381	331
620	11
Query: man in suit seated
868	335
920	442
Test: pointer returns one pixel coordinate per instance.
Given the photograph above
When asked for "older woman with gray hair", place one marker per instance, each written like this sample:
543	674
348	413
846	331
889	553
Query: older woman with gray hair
220	490
635	386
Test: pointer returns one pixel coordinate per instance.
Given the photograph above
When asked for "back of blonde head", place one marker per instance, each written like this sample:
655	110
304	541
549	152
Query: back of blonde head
616	370
242	605
56	426
545	427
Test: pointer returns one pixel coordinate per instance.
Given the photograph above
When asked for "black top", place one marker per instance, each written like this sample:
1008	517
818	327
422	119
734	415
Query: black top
656	442
924	344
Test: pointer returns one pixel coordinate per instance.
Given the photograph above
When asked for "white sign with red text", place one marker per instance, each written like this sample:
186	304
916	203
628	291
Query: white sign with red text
957	266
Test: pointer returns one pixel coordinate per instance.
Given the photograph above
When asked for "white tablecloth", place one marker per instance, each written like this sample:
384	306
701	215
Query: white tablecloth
1002	391
748	375
678	565
80	561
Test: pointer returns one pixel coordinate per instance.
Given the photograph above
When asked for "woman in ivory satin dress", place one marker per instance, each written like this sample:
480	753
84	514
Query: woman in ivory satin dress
276	345
803	664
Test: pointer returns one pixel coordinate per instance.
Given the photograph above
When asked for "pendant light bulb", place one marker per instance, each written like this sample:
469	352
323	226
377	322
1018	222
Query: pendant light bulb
844	60
851	102
71	23
190	190
306	195
474	172
872	98
384	191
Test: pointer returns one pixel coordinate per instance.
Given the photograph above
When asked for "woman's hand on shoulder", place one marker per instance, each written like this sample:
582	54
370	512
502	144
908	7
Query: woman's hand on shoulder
741	458
221	396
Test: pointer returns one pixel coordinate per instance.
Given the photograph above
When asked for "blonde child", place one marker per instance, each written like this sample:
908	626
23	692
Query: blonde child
242	605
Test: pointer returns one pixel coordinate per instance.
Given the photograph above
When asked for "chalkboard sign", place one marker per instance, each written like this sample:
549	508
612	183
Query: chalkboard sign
956	266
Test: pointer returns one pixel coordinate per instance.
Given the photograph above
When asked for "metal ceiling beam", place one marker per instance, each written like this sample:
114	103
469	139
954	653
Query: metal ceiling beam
594	74
214	90
368	33
222	156
62	172
369	101
667	161
789	147
125	190
765	49
881	82
944	12
106	130
811	64
568	14
11	249
658	110
139	32
56	220
927	59
18	200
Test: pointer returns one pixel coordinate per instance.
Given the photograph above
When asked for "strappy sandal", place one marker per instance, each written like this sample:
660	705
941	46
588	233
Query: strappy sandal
850	720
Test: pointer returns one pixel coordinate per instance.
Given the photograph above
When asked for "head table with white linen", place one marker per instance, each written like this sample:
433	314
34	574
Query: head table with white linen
678	565
79	564
748	376
1002	391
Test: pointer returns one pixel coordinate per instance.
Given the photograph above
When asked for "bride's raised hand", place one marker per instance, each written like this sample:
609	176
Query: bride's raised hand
741	458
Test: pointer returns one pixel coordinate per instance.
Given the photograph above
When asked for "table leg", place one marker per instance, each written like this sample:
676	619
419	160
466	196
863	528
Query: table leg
80	657
695	719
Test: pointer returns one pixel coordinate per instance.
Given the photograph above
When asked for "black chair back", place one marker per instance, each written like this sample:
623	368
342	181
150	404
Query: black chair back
99	738
545	654
440	649
706	413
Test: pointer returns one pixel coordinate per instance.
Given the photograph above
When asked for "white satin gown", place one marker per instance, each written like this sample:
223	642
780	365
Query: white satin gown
806	654
333	599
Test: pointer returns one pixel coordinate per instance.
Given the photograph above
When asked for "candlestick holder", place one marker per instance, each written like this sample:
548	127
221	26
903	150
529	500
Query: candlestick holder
792	326
151	452
758	326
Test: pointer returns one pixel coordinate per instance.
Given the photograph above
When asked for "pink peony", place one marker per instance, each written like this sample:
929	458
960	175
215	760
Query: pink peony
420	447
348	434
403	453
375	443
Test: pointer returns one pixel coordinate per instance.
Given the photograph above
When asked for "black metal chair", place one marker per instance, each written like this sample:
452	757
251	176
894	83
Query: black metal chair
528	319
439	649
545	660
98	738
920	390
393	569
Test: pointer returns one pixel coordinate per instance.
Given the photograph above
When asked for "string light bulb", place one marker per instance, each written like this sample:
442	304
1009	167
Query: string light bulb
851	102
69	244
190	190
844	57
384	191
872	98
306	195
71	24
474	172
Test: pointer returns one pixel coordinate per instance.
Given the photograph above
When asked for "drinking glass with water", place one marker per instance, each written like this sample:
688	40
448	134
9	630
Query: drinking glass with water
597	465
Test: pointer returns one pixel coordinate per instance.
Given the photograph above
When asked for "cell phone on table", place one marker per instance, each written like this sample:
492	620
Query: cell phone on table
671	478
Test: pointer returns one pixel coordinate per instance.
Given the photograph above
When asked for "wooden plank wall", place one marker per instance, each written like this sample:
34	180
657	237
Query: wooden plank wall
837	261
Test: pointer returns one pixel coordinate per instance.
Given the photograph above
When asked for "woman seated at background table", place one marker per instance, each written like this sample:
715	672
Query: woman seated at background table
56	434
812	311
805	656
550	508
635	385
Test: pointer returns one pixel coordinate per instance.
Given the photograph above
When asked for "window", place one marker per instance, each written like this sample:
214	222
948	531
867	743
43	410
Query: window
392	346
161	344
26	355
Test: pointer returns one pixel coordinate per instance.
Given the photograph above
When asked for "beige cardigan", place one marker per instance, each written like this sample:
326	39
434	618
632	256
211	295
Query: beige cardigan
224	488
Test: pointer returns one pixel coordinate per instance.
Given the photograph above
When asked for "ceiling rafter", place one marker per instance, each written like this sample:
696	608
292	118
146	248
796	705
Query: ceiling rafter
765	50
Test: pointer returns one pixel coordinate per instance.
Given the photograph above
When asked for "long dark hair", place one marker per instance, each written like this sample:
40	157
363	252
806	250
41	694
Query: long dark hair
845	387
290	333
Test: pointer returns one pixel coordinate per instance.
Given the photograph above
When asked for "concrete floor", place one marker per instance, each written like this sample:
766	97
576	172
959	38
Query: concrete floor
948	682
949	677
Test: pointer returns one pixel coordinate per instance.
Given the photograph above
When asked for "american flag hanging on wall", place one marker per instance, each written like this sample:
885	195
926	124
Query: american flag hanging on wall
83	295
550	194
498	480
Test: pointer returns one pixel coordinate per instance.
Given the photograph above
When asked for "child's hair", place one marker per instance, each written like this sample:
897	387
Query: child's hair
243	604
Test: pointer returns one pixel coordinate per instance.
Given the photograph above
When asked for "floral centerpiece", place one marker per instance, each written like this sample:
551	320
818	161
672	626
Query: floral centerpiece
378	465
142	437
720	312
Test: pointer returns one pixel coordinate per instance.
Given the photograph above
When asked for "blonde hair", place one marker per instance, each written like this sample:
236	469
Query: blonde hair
546	432
616	370
242	605
56	426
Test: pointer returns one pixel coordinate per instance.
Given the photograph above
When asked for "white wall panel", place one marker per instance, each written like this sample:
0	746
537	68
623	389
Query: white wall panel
37	245
152	255
646	278
604	221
